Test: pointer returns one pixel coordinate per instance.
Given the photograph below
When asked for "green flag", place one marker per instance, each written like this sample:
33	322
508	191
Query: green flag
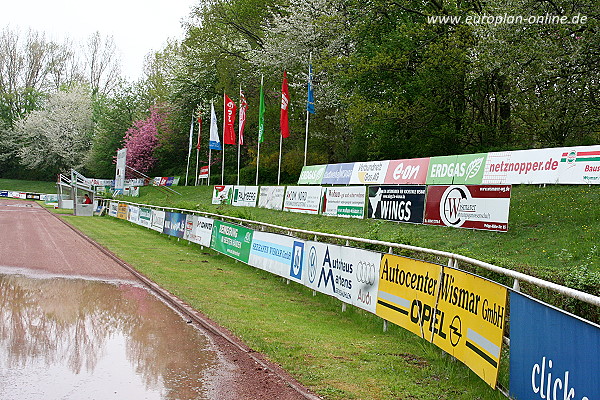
261	114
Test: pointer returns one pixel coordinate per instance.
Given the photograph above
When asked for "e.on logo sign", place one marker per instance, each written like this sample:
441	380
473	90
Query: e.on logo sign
413	171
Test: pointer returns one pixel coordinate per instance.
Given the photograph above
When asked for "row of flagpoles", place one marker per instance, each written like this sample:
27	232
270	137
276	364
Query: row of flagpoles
229	137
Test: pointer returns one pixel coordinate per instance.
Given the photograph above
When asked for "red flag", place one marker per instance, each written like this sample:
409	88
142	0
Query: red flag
285	101
242	123
229	131
199	132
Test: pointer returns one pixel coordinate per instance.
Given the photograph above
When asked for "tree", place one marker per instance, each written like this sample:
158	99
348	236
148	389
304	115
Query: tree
143	139
101	63
59	136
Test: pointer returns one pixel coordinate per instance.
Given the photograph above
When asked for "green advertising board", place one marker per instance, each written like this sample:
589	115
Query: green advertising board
466	169
312	175
232	240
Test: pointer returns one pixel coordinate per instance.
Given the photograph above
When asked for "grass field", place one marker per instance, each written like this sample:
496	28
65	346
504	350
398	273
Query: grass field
553	233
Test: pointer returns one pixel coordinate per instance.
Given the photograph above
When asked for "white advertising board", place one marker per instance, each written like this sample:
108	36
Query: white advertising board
198	229
113	209
271	197
133	214
158	220
344	201
349	274
245	196
302	199
369	173
278	254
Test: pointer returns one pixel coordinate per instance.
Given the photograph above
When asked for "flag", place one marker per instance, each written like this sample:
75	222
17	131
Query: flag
191	135
214	143
310	102
199	131
261	114
242	122
285	102
228	130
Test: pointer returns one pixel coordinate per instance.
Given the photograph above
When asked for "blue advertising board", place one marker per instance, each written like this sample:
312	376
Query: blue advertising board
553	355
338	174
174	224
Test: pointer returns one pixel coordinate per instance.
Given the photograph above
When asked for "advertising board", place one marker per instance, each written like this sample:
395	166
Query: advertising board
145	217
302	199
483	207
311	174
397	203
337	174
232	240
271	197
278	254
174	224
198	229
222	194
461	313
553	355
133	214
245	196
465	169
158	220
113	208
369	173
122	211
349	274
345	201
407	172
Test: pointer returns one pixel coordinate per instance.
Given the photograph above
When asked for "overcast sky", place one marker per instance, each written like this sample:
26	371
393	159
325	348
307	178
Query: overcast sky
138	26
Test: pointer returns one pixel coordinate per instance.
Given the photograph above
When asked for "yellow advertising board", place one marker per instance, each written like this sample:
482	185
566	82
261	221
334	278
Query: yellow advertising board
461	313
122	211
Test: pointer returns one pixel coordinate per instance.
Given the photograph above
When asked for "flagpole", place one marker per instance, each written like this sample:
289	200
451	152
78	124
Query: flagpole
223	150
279	169
259	128
209	157
257	159
198	149
189	150
307	112
239	145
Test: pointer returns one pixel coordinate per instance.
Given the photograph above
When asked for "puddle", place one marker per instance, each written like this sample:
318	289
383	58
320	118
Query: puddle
66	338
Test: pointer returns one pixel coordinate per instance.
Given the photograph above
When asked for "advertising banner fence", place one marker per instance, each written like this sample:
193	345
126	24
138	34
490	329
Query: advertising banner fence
271	197
312	175
113	208
278	254
407	172
397	203
222	194
349	274
145	217
134	214
348	201
553	355
198	229
122	211
369	173
461	313
174	224
466	169
473	206
302	199
337	174
232	240
158	220
245	196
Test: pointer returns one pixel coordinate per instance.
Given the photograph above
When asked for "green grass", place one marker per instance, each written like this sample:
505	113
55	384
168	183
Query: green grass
339	355
28	186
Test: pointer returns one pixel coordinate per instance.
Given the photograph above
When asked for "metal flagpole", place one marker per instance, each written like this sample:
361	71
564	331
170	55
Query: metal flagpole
279	169
223	150
307	112
257	158
260	133
189	150
209	158
198	148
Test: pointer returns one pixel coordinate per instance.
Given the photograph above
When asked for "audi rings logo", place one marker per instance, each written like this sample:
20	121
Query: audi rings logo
312	264
365	273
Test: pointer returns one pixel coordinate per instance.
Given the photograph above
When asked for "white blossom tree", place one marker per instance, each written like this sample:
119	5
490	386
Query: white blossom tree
59	136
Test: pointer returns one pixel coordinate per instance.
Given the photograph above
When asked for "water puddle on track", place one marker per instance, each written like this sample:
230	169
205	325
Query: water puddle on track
71	338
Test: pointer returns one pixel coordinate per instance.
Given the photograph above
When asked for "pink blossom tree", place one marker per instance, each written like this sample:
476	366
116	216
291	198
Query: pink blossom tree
143	138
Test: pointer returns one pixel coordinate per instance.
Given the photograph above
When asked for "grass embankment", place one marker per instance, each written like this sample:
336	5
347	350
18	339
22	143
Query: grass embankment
28	186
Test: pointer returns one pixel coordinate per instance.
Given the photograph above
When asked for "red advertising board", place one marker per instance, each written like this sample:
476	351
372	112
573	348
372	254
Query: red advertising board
412	171
483	207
